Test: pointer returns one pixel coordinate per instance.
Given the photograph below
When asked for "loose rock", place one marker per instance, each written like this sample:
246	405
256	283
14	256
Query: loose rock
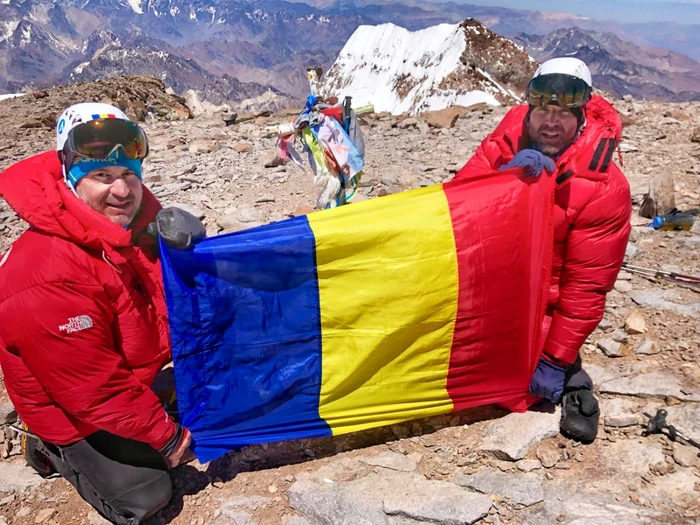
189	209
266	198
8	415
664	300
631	252
635	323
611	348
274	161
517	489
202	146
528	465
623	286
249	214
619	412
43	515
407	123
648	347
375	496
656	383
685	455
394	461
14	476
695	136
242	147
444	118
661	197
548	454
230	222
514	435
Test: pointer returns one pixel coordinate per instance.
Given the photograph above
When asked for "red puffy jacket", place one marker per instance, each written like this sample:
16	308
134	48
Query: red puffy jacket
591	220
83	321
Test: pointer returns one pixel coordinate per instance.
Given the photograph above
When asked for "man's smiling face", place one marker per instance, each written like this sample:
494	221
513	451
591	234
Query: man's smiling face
113	191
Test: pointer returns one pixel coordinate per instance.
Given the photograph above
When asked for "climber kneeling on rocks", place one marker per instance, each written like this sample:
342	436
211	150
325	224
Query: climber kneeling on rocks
83	319
567	130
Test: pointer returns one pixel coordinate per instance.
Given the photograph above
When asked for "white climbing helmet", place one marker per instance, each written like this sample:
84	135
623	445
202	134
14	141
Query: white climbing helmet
84	112
566	66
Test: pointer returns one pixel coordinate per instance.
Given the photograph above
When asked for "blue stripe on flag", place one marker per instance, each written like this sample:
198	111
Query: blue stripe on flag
246	336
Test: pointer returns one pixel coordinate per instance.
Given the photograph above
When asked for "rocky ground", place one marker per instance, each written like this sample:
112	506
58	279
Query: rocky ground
479	466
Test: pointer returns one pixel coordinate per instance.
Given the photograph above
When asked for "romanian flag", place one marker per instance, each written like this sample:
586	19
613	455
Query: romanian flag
382	311
103	115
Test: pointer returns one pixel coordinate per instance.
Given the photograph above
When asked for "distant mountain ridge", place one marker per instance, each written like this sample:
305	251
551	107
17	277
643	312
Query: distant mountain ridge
620	67
237	49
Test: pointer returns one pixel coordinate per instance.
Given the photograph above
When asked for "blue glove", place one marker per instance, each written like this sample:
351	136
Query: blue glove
548	381
532	160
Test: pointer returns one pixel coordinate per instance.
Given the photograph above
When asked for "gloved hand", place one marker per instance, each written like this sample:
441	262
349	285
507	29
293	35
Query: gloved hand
176	451
532	160
177	227
548	381
579	415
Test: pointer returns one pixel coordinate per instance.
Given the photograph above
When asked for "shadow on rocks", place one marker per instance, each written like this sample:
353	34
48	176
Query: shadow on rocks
544	406
187	481
274	455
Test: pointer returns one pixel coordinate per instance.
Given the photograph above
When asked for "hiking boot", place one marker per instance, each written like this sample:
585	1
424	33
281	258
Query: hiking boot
34	456
579	415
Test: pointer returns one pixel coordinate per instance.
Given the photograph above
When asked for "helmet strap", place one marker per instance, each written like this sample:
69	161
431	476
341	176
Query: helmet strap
67	181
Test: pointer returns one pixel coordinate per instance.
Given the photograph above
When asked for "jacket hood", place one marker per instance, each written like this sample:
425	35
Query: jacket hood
589	156
34	188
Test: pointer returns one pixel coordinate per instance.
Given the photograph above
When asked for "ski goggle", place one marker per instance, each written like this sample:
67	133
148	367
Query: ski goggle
99	138
565	90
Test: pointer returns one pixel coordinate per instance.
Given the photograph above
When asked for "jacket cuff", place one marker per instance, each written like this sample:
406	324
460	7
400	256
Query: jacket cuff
164	435
174	442
559	354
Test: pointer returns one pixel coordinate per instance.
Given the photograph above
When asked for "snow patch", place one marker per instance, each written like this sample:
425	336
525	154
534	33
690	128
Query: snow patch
174	10
399	71
79	69
11	95
7	29
26	36
136	6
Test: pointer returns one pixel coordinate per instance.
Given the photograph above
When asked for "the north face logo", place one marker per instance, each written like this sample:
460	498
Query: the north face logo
76	324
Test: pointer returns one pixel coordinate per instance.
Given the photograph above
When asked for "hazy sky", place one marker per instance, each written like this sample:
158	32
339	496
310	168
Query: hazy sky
685	12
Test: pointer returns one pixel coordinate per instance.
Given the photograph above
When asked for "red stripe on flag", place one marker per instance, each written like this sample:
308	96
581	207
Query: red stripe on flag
503	237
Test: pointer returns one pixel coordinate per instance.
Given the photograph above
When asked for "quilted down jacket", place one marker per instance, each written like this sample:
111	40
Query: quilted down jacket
83	321
591	220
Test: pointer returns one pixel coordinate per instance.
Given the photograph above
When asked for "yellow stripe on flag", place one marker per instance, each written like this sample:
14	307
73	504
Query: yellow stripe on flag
388	293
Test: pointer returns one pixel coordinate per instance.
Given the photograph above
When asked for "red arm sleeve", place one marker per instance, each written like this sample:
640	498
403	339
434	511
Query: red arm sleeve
595	251
78	365
477	165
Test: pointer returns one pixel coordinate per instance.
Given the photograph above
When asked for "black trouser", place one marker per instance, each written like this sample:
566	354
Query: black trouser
126	481
577	378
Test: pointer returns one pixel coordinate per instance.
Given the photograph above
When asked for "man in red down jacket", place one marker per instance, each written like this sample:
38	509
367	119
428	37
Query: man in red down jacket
574	134
83	320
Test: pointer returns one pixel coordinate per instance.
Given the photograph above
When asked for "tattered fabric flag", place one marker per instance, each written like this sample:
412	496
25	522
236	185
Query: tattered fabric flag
391	309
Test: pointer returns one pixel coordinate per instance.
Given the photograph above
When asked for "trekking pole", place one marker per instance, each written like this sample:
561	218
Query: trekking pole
657	424
20	431
678	278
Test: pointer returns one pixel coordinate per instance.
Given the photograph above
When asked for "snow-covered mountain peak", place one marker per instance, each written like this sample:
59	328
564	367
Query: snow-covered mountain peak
402	71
